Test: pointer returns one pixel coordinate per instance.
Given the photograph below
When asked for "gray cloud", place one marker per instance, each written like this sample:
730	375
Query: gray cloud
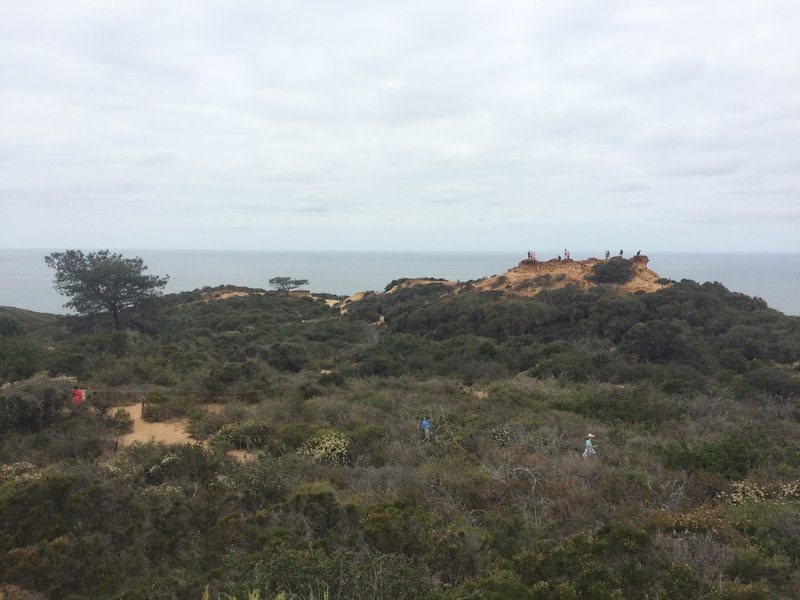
706	169
156	121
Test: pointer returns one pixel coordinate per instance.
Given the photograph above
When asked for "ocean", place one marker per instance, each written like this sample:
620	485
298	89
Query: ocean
26	282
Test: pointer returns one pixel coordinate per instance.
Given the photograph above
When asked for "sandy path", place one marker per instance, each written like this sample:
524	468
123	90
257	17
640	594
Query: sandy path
171	432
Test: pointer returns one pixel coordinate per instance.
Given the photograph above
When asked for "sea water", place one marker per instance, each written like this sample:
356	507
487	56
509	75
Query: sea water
26	282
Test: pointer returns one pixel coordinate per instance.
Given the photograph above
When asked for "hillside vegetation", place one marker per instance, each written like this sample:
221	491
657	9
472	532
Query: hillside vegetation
691	391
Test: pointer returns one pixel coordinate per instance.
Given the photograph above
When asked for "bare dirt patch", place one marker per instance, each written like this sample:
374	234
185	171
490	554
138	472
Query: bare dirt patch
170	432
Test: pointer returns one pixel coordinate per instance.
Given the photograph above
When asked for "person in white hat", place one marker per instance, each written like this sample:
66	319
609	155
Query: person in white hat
589	451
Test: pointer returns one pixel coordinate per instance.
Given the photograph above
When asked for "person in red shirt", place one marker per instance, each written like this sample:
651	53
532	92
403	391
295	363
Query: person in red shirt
78	396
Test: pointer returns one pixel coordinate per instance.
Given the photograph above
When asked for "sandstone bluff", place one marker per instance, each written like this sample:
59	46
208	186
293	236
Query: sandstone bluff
530	277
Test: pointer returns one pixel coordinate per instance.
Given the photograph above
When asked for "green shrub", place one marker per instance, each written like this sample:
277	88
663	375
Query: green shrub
203	423
572	365
334	378
657	341
731	456
288	357
616	270
308	390
115	374
774	381
292	436
250	370
773	526
751	566
634	404
317	574
368	440
316	500
504	585
32	404
245	435
55	531
154	463
8	327
160	407
395	527
19	358
120	421
611	563
731	590
458	552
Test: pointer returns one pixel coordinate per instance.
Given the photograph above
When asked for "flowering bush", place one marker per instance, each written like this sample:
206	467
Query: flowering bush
701	519
500	435
116	468
19	471
746	492
153	464
69	380
164	466
331	448
166	491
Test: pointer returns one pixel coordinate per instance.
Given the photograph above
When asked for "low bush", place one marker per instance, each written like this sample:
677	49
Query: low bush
120	421
32	404
616	270
155	463
244	435
731	456
162	407
633	404
19	358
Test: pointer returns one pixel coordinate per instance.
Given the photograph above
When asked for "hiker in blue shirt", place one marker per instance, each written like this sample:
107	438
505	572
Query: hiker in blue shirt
589	452
426	429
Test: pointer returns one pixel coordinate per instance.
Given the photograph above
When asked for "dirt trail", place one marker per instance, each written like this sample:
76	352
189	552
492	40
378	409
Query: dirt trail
171	432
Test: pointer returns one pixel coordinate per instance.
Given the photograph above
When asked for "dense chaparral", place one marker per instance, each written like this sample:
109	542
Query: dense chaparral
691	393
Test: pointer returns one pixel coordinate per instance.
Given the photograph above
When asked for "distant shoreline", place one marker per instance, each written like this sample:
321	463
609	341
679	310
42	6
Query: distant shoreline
26	282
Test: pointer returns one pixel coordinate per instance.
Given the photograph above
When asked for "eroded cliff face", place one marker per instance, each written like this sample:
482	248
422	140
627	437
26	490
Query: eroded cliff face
531	277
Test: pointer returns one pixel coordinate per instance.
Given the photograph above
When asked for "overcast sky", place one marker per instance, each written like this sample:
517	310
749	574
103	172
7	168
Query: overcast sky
484	125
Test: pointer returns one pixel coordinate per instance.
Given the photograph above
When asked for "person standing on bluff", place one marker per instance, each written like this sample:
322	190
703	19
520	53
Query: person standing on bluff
589	451
425	426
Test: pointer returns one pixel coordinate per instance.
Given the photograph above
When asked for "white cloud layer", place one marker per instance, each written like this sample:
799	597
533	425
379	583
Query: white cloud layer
419	125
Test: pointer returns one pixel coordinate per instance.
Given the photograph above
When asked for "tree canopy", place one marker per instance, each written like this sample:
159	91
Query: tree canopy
286	284
102	282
